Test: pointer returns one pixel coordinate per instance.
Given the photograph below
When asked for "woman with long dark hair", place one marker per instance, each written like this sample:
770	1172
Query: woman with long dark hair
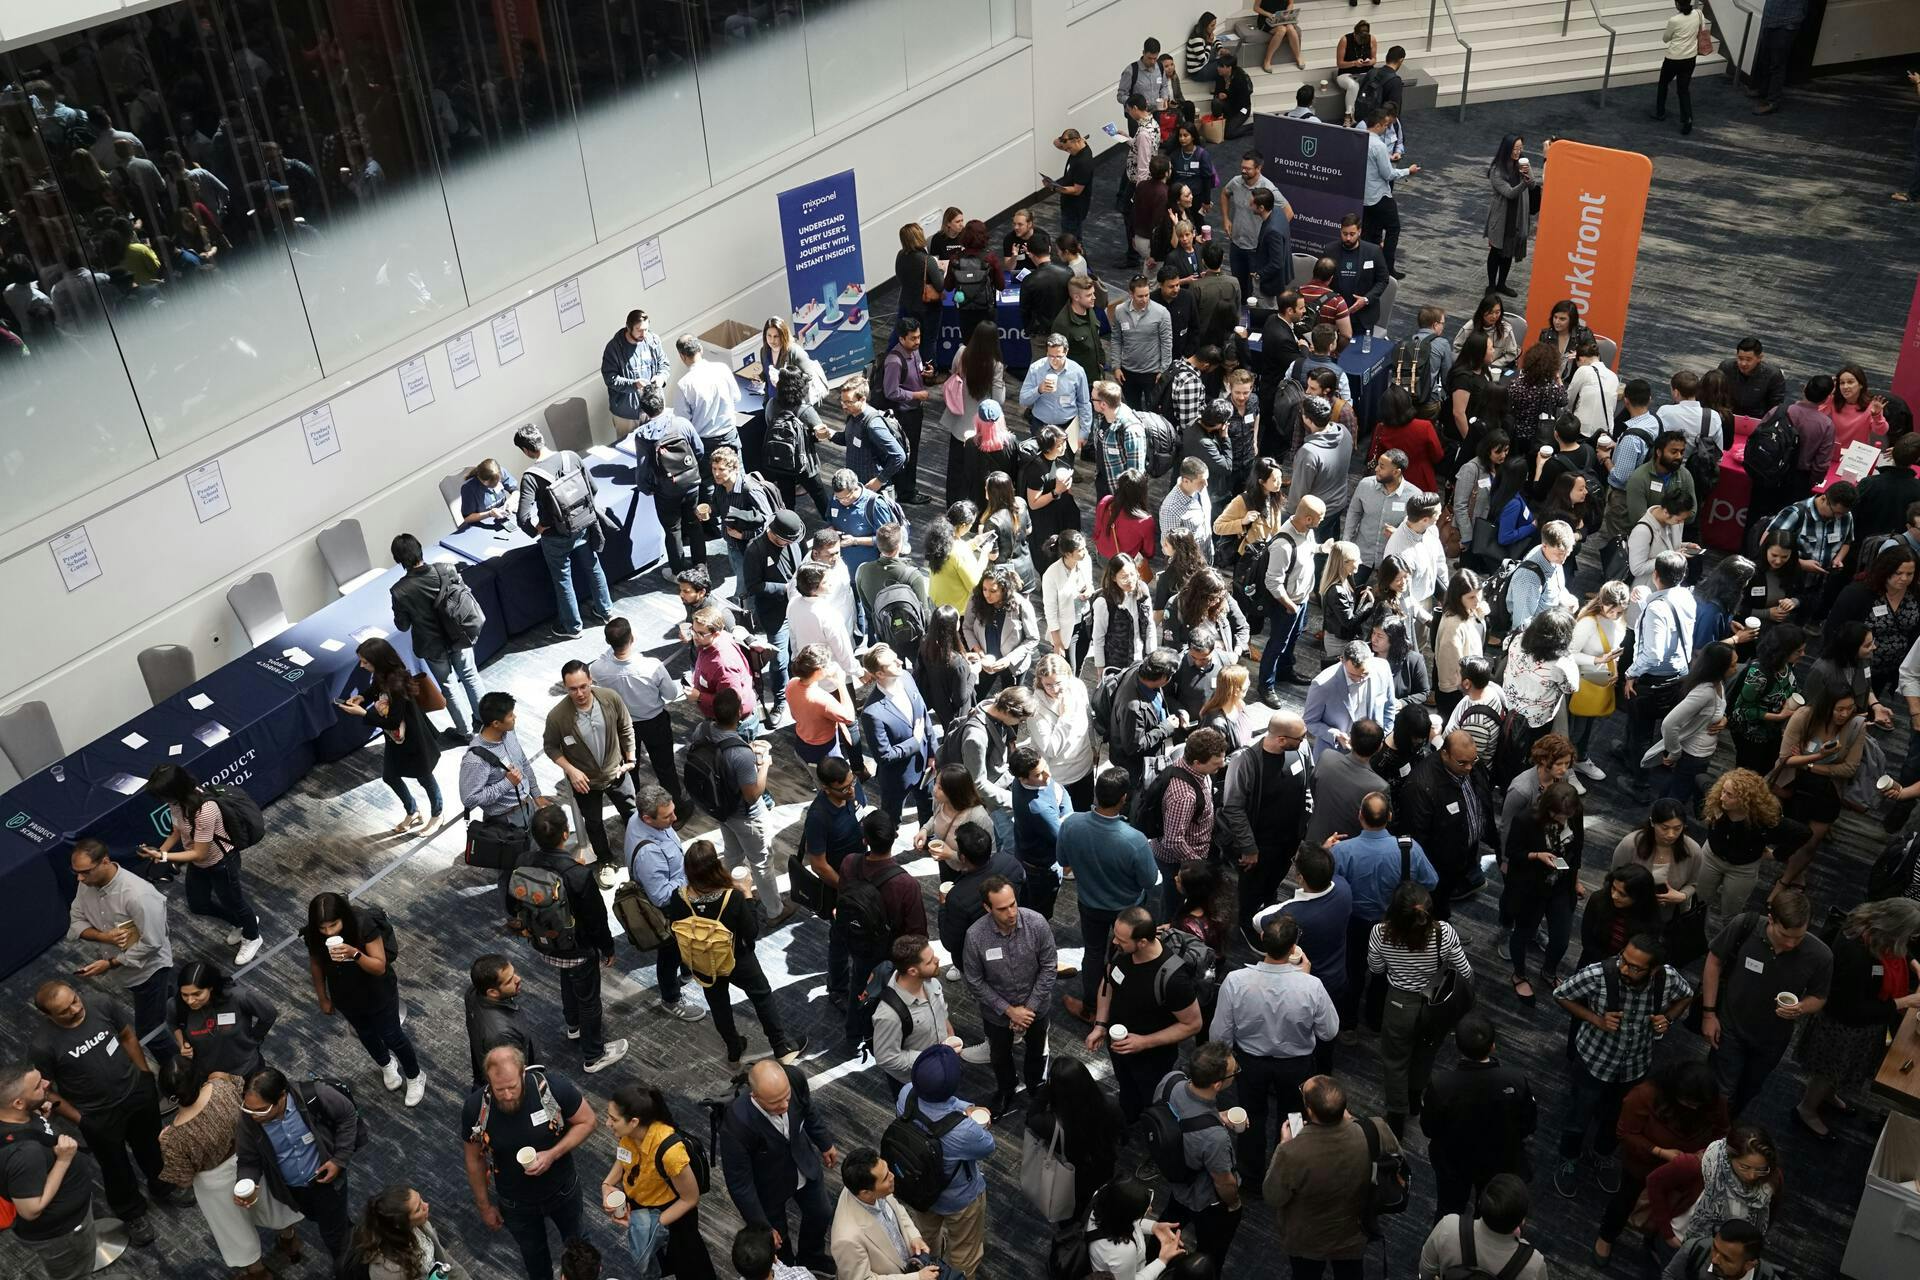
956	556
1845	664
1462	634
1257	514
1819	755
1622	908
981	376
1185	557
1875	980
1005	515
1859	416
412	749
1200	909
397	1240
1720	604
1473	512
1516	530
1677	1111
1884	599
1510	216
711	893
1568	500
1469	381
1408	948
1540	677
1391	637
919	277
1564	332
1745	823
1205	600
218	1025
1124	628
197	1151
1000	627
1124	521
1490	321
1071	1101
948	678
1785	582
1671	856
1122	1241
200	840
353	975
659	1198
1544	852
1690	733
1761	699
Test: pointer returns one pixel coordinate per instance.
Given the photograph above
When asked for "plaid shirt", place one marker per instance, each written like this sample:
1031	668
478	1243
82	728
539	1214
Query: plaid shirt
1123	445
1818	539
1187	812
1189	392
1622	1056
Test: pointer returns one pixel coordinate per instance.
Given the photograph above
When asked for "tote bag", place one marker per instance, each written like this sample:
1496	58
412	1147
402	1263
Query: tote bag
1046	1179
1592	699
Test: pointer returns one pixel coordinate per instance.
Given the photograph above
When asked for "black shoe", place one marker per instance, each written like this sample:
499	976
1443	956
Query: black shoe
1659	115
1000	1105
839	1002
1269	694
1505	292
1397	274
1295	677
139	1230
1800	1122
1686	127
455	738
172	1197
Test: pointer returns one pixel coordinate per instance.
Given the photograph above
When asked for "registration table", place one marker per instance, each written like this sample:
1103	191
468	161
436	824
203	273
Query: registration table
1368	372
1015	351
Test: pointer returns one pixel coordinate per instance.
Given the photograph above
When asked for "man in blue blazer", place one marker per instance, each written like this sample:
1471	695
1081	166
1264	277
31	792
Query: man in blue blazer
894	722
775	1150
1358	687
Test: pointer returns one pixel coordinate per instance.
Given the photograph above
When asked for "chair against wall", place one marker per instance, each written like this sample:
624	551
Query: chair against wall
450	494
1383	314
567	425
344	548
1519	326
256	602
167	669
1608	349
29	739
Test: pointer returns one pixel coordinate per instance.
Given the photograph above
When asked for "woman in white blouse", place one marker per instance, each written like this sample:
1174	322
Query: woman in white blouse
1462	635
1066	593
1060	729
1691	731
1118	1229
1682	36
1540	677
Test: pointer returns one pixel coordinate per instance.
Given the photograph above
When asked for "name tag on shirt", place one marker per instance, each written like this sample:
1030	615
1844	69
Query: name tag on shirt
306	1139
623	1155
1486	482
1754	965
1760	592
1878	971
1453	808
1366	266
1295	766
1117	976
1066	400
225	1019
1834	536
993	953
571	741
1405	769
1879	611
1656	485
538	1117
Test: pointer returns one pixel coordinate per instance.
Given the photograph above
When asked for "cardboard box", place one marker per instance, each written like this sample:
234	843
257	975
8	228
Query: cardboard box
736	344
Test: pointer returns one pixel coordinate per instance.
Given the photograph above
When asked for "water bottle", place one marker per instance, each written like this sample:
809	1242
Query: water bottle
1366	343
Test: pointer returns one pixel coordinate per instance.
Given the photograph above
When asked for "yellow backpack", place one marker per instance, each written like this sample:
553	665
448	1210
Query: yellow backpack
706	945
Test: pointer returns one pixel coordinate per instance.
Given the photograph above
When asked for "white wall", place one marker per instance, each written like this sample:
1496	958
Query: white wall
1862	30
975	137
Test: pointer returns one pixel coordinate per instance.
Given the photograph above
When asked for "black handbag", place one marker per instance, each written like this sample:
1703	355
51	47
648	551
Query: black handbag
1449	997
1685	937
495	845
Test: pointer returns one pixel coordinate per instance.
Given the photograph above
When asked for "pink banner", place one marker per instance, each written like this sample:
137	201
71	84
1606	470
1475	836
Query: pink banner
1906	370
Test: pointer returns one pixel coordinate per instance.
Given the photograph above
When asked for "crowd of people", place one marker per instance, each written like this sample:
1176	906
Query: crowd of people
1247	733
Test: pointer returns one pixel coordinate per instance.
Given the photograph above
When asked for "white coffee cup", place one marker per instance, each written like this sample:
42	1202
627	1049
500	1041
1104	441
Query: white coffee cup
244	1189
1753	624
1236	1118
741	875
1117	1032
955	1043
1546	451
525	1156
980	1115
336	943
616	1200
1884	782
1786	999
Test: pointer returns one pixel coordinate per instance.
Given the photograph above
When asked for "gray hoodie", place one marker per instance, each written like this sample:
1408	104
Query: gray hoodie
1320	468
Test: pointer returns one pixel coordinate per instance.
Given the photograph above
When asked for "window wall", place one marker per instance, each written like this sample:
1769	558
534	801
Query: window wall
206	206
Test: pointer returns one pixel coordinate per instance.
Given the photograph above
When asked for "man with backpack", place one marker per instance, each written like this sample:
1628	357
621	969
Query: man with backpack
1009	965
657	862
1141	727
1479	1118
875	442
1662	656
775	1152
1151	995
521	1107
1621	1007
744	503
904	394
902	623
1330	1181
559	905
726	774
48	1181
1374	863
1485	1245
296	1144
772	562
557	507
1182	795
672	470
937	1150
908	1013
433	604
1194	1148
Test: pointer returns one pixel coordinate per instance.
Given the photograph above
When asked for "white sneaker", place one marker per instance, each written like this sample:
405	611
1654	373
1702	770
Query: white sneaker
615	1050
249	948
606	876
1587	768
390	1074
1579	787
416	1090
952	974
977	1053
235	937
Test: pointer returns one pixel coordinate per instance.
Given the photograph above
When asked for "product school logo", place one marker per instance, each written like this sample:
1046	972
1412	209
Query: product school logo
1309	146
162	820
17	821
24	825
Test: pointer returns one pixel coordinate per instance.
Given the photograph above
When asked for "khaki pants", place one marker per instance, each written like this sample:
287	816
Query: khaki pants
960	1237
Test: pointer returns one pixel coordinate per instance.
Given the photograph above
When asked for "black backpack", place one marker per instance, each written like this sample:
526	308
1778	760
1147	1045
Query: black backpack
1390	1179
707	782
878	991
239	813
1500	611
457	610
862	912
697	1160
1167	1132
1892	872
1772	449
569	494
1703	460
1469	1268
1163	443
1413	369
969	279
1101	705
1250	575
1304	326
785	450
911	1147
1150	810
1484	725
676	466
1186	951
1373	87
900	616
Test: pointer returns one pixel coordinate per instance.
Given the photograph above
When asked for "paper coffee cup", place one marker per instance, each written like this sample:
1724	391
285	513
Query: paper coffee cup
616	1200
1237	1119
980	1115
1117	1032
525	1156
1786	999
336	943
741	875
1753	624
955	1043
1546	451
244	1189
1884	782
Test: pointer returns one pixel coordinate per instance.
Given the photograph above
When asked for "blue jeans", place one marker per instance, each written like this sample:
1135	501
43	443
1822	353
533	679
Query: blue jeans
1283	633
780	636
562	551
390	773
458	663
527	1224
216	891
1592	1104
1682	781
645	1240
1240	264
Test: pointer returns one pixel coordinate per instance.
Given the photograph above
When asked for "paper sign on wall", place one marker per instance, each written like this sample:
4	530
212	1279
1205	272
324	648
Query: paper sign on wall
416	384
209	490
323	439
507	346
566	297
463	359
73	552
653	263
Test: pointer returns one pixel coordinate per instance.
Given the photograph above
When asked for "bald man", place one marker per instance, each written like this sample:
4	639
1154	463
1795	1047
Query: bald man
774	1151
1446	805
1269	796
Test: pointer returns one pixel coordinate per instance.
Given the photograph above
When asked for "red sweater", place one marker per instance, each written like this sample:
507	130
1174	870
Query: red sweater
1420	443
1643	1127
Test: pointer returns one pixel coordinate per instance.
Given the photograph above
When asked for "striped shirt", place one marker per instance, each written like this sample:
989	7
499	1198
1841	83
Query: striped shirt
1409	970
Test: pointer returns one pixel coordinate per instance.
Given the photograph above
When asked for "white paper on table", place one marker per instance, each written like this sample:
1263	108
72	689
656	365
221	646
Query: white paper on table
199	702
135	741
212	733
126	784
298	657
1858	460
332	646
174	750
367	633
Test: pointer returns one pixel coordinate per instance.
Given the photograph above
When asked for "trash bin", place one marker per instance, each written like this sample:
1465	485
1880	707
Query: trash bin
1885	1242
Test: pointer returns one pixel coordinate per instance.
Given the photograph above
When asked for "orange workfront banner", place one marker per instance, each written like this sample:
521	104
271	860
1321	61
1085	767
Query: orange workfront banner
1587	237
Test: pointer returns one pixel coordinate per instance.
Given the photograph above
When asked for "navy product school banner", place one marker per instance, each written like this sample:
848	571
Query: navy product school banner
1319	168
820	232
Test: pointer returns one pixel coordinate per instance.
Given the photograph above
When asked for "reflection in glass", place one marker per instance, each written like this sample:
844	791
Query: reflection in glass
754	97
856	54
942	34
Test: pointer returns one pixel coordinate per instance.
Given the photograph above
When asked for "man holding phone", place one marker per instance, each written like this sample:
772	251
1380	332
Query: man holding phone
1075	185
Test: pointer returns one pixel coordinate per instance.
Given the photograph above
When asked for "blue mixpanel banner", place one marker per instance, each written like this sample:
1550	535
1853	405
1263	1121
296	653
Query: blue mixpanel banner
1320	169
820	231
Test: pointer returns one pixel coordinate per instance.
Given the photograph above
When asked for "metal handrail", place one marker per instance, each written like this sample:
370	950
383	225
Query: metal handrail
1566	20
1466	69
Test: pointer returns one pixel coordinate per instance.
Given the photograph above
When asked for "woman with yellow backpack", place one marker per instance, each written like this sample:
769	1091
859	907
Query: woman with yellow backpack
716	925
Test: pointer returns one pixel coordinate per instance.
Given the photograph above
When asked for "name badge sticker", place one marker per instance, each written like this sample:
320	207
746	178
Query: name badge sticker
1754	965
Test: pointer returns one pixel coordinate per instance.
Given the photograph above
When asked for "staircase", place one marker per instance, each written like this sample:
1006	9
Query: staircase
1518	48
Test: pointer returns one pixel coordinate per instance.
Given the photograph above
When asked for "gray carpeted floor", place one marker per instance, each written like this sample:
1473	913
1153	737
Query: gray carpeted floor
1737	241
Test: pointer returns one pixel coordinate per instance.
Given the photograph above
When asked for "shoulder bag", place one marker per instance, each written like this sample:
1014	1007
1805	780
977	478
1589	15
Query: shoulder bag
1046	1179
1592	699
1449	997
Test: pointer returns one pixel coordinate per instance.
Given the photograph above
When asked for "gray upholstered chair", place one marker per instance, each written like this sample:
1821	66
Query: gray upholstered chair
28	738
344	548
568	426
1608	349
450	494
167	669
256	602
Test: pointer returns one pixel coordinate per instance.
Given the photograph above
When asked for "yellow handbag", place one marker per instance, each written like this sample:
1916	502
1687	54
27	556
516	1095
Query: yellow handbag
1592	699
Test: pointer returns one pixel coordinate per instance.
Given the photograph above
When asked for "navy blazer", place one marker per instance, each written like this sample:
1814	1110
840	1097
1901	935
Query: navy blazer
890	737
1273	254
761	1166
